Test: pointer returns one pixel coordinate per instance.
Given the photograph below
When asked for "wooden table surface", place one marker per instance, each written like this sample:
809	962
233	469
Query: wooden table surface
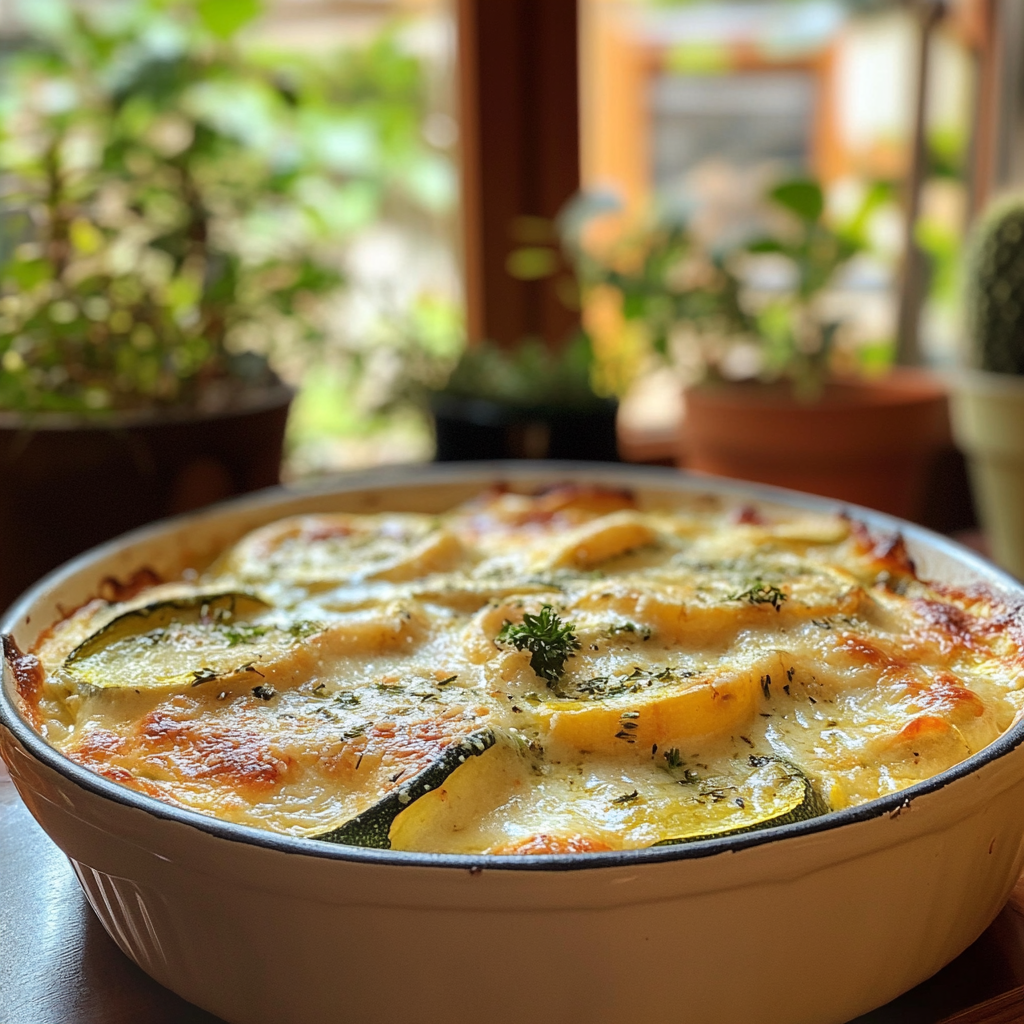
58	966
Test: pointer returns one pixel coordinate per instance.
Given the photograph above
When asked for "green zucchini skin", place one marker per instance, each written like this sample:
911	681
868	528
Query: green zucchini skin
372	828
812	805
218	610
139	620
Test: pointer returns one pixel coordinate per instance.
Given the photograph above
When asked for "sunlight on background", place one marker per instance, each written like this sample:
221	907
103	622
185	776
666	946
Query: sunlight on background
691	112
404	284
700	106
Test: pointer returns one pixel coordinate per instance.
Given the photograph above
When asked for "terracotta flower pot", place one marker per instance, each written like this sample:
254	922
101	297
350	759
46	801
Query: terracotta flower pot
867	442
68	484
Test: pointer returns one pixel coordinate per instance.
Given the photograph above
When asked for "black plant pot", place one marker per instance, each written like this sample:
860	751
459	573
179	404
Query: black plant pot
68	484
478	428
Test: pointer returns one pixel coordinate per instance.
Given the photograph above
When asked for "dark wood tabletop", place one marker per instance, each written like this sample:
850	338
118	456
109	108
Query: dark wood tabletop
58	966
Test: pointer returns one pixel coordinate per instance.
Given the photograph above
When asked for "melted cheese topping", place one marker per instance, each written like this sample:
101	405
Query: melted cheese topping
730	669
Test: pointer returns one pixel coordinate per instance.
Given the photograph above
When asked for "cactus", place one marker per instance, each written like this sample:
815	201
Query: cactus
995	288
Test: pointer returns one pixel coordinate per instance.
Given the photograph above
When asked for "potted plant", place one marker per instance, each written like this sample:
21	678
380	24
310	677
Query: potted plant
539	399
532	402
988	394
772	395
160	243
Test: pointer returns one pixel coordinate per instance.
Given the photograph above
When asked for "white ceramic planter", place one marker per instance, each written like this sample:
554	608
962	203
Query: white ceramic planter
988	423
812	923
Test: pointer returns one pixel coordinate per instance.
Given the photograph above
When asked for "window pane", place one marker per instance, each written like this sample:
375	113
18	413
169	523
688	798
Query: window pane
695	109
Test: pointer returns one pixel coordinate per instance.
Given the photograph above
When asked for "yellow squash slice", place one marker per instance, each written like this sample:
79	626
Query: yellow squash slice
672	712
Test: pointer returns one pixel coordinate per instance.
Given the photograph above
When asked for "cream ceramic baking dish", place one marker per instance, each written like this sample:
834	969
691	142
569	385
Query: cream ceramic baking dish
817	921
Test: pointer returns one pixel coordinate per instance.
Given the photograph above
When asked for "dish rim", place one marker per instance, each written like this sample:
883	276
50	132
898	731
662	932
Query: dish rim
432	473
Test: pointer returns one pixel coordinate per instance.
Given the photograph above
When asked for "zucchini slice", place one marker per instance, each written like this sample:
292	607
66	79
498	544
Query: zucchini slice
186	640
457	811
687	604
500	800
372	827
324	550
678	708
775	793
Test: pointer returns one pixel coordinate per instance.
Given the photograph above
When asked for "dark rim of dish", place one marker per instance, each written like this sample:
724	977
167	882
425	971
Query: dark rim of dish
494	472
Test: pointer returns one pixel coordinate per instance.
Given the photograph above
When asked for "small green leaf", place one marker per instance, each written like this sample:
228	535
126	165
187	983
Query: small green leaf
85	236
532	263
802	197
27	274
634	305
765	245
225	17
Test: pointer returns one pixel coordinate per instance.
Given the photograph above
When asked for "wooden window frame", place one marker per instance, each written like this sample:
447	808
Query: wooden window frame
519	155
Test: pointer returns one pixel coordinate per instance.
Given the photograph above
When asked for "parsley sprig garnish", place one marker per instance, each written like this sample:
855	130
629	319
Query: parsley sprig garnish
550	641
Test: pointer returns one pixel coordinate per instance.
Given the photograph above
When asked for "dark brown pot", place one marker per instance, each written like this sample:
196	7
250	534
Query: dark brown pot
871	443
478	428
67	485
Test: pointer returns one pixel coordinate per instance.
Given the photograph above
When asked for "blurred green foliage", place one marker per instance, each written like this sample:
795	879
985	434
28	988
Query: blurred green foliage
535	372
173	202
796	334
674	284
532	374
662	273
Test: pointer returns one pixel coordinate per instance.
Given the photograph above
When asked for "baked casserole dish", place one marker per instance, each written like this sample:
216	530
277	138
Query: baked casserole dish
597	712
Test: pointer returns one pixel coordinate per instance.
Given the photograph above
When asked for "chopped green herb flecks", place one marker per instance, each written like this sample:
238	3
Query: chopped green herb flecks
300	630
242	633
550	641
760	592
674	761
633	682
644	632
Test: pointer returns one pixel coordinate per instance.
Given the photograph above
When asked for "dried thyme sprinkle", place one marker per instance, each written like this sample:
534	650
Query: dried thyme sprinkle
644	632
203	675
760	592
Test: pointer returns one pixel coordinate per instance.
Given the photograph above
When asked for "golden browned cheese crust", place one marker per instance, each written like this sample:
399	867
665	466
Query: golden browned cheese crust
706	669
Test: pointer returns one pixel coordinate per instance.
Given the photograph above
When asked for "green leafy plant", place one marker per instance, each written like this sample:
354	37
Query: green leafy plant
529	375
796	334
674	285
662	274
550	641
173	202
434	356
535	372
